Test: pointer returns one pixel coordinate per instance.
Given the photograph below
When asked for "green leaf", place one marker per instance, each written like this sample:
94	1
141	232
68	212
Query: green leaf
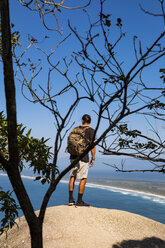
43	181
28	133
9	208
162	70
108	23
37	178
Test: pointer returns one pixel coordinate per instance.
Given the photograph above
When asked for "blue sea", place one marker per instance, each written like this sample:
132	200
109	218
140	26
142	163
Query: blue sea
100	196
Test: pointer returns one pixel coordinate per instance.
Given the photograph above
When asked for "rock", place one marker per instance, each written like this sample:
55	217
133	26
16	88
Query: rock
82	227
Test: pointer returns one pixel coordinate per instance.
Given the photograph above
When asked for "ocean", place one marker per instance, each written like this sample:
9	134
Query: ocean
145	198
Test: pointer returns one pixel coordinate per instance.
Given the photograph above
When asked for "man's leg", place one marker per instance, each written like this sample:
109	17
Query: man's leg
81	191
82	185
71	183
71	189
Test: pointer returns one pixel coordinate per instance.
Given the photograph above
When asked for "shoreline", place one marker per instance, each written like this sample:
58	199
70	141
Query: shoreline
125	189
143	187
118	189
110	186
23	176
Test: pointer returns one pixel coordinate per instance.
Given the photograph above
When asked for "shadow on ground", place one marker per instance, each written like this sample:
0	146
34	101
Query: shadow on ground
145	243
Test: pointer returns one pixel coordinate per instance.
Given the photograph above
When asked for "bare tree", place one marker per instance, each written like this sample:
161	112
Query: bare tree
123	95
53	8
101	80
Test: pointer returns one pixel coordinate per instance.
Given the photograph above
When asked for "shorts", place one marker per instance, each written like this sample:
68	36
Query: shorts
80	170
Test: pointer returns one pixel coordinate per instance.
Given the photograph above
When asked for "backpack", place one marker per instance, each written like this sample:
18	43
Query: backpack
77	143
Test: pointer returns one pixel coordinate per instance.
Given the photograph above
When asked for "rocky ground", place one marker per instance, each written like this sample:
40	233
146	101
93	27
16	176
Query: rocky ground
89	227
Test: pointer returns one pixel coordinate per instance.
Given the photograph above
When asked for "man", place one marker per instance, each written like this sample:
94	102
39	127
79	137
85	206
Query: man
80	170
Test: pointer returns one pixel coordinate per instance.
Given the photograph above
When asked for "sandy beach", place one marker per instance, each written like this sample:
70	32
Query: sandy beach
140	187
148	187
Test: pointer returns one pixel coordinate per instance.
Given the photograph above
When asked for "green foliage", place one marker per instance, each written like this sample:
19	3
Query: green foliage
3	137
163	74
148	145
32	151
119	22
128	139
123	143
14	39
45	178
105	18
9	207
163	78
124	130
107	21
157	104
130	143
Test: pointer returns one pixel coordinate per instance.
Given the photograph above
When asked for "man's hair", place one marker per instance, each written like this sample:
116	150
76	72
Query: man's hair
86	119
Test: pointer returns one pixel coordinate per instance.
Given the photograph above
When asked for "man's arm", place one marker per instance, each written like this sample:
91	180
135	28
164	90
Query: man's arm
93	152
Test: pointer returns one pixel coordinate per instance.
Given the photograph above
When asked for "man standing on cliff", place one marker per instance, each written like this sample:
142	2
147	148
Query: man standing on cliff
80	170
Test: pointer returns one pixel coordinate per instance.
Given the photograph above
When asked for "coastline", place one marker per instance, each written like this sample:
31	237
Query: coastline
143	187
131	189
23	176
117	189
151	189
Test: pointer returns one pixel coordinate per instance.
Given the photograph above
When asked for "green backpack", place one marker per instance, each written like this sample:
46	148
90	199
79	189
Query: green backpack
77	143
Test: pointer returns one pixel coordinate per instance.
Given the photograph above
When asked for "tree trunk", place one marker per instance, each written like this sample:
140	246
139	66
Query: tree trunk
35	224
36	235
9	82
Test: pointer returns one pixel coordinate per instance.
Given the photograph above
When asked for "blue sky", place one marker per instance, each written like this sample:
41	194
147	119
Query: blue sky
135	22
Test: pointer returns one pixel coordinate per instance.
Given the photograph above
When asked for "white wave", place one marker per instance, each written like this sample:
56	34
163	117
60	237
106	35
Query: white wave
135	194
3	174
23	176
159	200
148	196
124	193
